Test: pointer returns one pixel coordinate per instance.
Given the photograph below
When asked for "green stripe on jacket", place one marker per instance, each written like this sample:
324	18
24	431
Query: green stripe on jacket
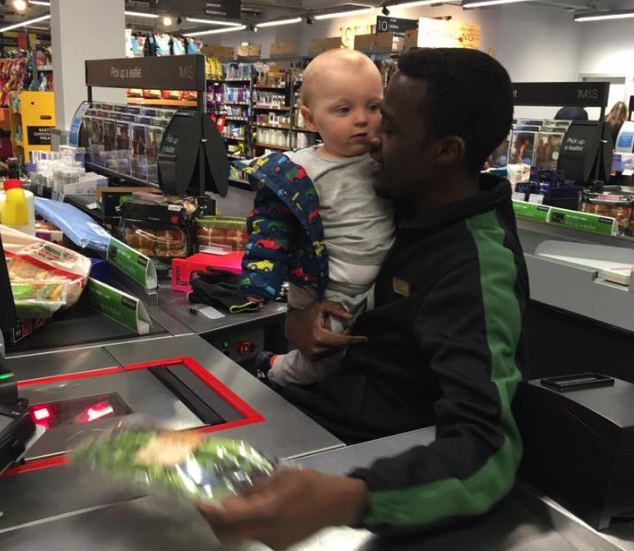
452	497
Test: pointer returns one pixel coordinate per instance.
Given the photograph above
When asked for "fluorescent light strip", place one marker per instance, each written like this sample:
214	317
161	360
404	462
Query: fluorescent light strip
212	22
343	14
280	22
25	23
604	16
142	14
414	4
217	31
39	3
485	3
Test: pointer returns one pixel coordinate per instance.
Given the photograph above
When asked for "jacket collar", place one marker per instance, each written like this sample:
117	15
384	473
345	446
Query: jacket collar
493	191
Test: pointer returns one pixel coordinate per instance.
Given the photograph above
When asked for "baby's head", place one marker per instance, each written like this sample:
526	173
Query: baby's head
341	95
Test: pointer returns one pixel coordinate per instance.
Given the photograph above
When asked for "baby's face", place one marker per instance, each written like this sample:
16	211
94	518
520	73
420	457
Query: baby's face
344	108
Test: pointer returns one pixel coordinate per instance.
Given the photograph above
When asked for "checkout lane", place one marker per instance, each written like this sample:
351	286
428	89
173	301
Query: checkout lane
511	526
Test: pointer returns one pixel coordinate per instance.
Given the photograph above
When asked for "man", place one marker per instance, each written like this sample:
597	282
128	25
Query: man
444	342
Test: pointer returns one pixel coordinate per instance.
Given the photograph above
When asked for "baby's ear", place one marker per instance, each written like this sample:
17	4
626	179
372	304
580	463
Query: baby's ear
309	120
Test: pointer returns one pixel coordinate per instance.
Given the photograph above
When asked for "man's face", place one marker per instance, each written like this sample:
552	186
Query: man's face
404	159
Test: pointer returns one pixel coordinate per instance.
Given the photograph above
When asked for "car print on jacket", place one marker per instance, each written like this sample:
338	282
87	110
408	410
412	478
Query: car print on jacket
286	234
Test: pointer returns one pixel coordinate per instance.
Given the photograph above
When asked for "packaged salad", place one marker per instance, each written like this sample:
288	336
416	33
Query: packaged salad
198	466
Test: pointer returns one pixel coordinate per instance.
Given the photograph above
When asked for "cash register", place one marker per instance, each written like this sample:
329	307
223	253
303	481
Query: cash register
16	425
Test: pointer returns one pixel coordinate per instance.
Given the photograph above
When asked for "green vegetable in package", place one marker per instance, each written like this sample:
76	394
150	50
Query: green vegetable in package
191	463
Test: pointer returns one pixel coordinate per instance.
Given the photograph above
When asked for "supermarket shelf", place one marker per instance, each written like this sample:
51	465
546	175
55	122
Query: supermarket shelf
271	146
236	157
241	184
18	143
302	129
274	126
236	119
44	67
239	181
236	80
163	102
232	138
236	103
272	108
269	87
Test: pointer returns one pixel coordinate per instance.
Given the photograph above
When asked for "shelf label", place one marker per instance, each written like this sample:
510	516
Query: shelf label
531	211
117	305
135	265
582	221
39	135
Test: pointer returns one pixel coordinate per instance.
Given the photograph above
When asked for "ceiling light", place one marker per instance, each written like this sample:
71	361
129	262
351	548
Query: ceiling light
343	14
39	3
419	3
25	23
167	20
217	31
213	22
485	3
19	5
142	14
280	22
605	16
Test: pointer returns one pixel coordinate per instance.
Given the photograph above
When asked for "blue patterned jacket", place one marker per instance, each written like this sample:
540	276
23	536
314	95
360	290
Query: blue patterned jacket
286	234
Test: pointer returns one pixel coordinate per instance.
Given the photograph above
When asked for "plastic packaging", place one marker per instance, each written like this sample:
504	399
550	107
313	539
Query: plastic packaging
77	226
216	230
156	240
44	277
16	207
187	463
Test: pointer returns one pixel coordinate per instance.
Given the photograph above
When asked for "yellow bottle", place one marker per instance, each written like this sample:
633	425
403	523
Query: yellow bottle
15	212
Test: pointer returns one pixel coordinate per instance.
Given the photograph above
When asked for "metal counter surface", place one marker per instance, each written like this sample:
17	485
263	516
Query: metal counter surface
155	523
177	306
286	431
65	362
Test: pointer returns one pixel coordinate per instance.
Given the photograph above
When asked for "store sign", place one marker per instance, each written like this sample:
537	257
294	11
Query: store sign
136	266
531	211
395	25
582	221
228	9
117	305
39	135
582	94
437	33
179	72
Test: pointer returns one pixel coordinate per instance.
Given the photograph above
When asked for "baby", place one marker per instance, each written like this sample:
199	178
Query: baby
341	95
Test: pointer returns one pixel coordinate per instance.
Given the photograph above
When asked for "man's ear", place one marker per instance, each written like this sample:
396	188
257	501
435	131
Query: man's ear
309	120
451	150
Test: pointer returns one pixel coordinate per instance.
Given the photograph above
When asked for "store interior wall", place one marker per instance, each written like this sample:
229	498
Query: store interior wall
536	43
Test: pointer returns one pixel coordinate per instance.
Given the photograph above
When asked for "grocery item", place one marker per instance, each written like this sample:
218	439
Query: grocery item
218	230
156	240
187	463
16	207
44	276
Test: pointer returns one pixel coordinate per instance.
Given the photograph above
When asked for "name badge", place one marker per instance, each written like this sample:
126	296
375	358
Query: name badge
401	287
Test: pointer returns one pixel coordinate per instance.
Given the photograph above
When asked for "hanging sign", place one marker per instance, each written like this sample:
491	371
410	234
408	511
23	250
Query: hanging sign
394	25
228	9
436	33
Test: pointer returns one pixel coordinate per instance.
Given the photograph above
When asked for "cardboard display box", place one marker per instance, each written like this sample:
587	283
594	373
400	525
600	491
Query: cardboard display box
283	48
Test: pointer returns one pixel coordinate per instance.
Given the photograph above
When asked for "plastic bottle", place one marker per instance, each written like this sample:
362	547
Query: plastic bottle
15	210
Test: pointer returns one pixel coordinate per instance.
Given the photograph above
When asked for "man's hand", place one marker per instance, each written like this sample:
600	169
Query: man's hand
289	507
306	329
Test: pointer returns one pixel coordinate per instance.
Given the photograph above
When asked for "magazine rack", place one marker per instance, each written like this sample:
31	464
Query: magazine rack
574	94
185	73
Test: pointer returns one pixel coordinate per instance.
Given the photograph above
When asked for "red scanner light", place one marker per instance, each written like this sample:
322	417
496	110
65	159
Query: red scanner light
41	413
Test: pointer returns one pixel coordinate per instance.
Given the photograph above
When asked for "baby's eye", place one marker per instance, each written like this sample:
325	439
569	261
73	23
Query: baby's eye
343	110
374	107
